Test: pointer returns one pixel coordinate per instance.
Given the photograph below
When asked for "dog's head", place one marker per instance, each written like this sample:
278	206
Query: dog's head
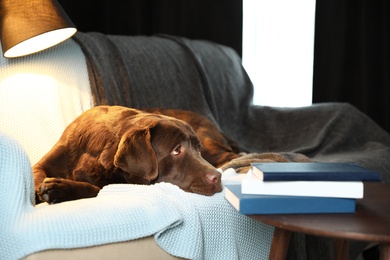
164	149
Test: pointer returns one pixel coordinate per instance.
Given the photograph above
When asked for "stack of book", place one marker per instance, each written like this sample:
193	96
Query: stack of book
300	188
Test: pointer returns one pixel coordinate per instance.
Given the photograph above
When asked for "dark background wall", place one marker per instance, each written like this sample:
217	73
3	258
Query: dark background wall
216	20
352	55
351	52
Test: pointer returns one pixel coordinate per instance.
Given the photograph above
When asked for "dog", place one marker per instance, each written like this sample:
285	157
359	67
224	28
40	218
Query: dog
115	144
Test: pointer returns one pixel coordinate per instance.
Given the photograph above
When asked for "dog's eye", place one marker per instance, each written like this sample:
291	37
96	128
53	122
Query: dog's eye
177	150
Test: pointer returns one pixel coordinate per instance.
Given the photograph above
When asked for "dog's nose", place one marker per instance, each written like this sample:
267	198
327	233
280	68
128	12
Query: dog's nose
213	176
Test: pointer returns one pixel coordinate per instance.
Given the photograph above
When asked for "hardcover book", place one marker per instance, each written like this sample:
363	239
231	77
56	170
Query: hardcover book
251	184
271	204
313	171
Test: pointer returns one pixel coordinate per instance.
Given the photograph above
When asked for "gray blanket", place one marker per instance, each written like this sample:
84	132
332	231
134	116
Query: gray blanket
172	72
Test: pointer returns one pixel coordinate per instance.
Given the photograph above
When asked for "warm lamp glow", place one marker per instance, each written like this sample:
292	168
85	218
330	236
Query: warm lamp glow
40	42
29	26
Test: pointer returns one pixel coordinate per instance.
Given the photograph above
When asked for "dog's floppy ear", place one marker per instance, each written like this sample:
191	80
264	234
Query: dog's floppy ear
135	154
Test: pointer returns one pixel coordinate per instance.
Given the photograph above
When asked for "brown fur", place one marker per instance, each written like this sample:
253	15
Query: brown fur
243	163
216	148
112	144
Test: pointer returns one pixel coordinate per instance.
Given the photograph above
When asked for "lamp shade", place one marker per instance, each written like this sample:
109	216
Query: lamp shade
29	26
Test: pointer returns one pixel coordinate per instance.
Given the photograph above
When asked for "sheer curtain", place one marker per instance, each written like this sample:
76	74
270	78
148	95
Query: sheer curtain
278	49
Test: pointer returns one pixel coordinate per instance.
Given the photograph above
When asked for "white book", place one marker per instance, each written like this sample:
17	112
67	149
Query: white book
333	189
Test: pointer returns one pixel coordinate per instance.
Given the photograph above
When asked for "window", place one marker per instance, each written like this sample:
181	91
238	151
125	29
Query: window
278	48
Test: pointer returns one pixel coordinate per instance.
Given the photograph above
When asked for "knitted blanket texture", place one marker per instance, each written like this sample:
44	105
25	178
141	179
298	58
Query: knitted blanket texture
211	228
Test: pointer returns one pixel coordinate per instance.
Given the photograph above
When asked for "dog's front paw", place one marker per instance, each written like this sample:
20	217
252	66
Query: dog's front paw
54	190
243	163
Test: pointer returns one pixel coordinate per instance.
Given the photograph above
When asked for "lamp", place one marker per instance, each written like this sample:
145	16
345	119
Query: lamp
29	26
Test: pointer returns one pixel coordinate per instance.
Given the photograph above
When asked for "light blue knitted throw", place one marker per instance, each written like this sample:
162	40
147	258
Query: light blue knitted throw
184	224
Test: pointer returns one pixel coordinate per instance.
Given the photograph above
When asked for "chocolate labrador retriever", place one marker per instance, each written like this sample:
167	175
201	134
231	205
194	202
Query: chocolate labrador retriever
114	144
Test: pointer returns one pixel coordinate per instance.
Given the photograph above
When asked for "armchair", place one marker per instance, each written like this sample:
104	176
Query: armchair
159	71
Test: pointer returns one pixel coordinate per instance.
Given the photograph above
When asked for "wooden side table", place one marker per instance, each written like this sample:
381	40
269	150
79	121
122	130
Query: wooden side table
371	223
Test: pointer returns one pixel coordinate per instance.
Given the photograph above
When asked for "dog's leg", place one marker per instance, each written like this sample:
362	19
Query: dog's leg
243	163
39	175
55	190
